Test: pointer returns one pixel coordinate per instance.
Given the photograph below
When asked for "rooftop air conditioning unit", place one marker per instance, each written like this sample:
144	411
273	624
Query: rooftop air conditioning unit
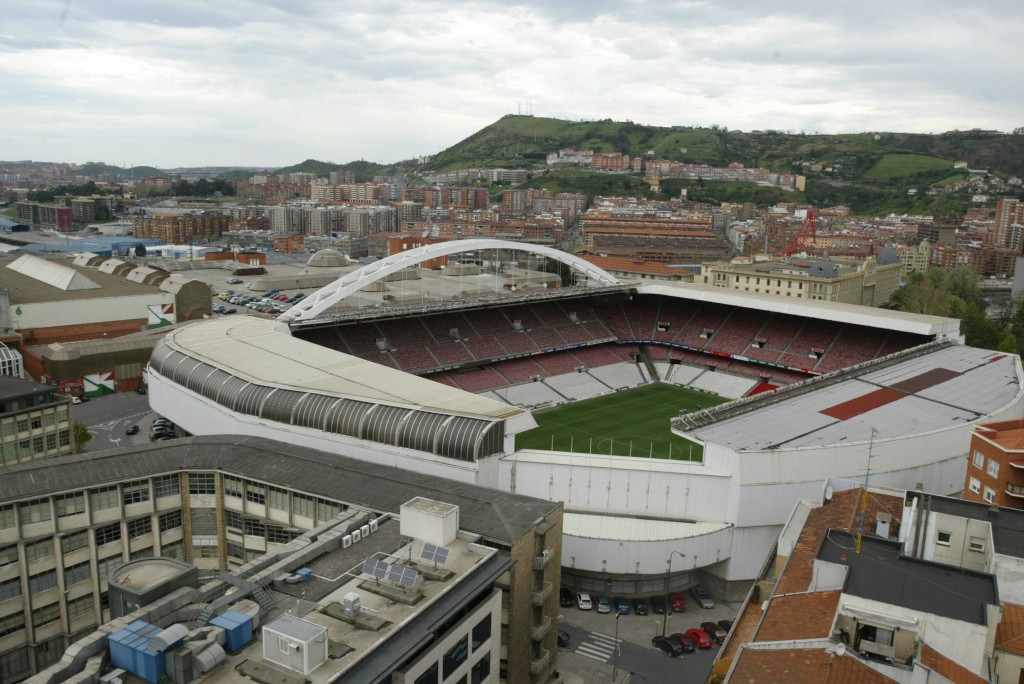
346	541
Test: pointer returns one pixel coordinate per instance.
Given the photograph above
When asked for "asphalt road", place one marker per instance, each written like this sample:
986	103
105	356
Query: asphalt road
107	417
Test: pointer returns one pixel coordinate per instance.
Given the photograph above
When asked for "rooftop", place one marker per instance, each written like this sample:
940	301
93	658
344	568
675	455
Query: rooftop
1007	523
11	386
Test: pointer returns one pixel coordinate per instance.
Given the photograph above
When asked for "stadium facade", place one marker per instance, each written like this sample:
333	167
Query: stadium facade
843	391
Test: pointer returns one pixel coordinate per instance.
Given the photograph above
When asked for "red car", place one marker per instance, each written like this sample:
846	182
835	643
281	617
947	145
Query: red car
700	637
678	603
689	646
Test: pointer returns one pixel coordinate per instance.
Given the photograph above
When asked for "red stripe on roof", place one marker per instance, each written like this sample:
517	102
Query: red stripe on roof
862	404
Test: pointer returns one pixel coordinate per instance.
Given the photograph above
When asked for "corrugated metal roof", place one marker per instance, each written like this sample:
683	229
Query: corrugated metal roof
986	382
51	273
23	289
263	352
589	526
496	515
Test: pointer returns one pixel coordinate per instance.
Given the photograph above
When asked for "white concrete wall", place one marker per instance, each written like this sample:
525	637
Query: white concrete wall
1010	573
85	311
201	416
641	557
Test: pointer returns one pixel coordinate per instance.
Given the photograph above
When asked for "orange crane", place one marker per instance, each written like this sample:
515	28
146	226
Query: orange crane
805	235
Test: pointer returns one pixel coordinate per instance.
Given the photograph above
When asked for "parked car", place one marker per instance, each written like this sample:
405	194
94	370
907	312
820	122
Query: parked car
232	310
141	390
702	596
726	625
563	638
700	637
688	645
234	281
583	600
132	430
713	631
658	605
640	606
565	598
76	400
603	604
678	602
668	645
621	605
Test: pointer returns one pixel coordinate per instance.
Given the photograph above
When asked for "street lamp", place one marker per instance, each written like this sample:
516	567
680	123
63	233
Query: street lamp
668	577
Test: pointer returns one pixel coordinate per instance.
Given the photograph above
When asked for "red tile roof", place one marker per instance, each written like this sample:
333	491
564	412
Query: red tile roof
802	666
1010	633
799	616
942	665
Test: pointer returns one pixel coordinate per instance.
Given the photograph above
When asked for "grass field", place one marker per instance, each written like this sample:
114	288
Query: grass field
634	422
894	165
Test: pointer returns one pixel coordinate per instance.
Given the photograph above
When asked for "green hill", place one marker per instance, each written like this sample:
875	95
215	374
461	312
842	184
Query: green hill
364	170
100	168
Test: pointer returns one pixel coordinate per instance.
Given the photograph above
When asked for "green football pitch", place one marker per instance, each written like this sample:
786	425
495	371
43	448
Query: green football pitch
634	422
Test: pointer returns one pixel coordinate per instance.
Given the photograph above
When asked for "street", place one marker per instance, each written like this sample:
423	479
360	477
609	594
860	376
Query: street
107	417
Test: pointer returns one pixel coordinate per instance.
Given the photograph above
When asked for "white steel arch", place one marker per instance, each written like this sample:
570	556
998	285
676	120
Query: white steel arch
327	296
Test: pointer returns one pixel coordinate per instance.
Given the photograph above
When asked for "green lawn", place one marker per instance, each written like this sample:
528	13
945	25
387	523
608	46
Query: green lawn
894	165
635	422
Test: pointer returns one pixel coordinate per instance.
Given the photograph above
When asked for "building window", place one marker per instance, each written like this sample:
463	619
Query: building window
42	582
201	483
34	511
73	542
108	534
37	422
993	467
39	549
278	498
944	538
13	664
235	550
37	445
10	588
455	656
974	485
135	492
76	573
253	527
140	528
990	495
104	497
79	607
254	494
6	517
166	485
233	487
303	505
279	535
69	504
11	624
8	555
105	566
22	424
977	544
65	438
45	615
481	632
170	521
979	459
51	442
175	550
481	669
327	510
233	520
429	675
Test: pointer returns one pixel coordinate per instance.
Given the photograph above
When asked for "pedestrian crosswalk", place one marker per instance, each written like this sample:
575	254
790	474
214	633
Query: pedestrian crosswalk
598	646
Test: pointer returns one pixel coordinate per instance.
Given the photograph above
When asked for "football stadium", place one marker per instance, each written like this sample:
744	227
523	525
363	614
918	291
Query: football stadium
678	423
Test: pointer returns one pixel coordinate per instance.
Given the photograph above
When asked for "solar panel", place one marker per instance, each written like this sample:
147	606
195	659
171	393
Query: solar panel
432	552
399	574
377	568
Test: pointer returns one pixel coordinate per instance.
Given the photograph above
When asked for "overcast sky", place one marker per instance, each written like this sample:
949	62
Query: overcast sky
225	82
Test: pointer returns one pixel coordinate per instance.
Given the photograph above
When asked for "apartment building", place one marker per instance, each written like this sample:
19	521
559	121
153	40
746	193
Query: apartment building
868	282
222	504
1008	228
46	216
36	421
995	468
181	228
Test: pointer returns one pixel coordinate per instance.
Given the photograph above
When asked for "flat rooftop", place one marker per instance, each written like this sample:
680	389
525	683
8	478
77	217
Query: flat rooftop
880	573
951	386
1007	523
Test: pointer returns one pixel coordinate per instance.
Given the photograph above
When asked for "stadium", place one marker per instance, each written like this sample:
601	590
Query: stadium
744	404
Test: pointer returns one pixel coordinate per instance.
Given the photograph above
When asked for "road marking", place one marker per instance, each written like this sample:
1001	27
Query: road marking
597	646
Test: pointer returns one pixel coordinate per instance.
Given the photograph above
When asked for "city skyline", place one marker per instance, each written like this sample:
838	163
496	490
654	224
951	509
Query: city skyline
269	85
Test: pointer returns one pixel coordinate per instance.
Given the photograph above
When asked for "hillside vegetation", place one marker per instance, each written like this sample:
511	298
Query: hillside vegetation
363	170
100	168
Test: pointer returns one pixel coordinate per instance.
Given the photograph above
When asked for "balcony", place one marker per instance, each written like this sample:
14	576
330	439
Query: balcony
538	632
1015	490
541	595
539	665
540	562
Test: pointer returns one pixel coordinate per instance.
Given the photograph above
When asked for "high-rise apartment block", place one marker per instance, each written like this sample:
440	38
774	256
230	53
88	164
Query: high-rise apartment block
179	229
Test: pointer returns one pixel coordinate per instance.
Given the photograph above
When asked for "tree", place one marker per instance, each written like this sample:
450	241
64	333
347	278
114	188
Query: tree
81	435
140	250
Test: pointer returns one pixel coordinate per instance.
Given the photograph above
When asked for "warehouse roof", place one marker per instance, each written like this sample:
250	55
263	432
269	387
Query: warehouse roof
27	289
51	273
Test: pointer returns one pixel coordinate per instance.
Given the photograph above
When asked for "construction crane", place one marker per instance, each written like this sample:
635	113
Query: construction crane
806	235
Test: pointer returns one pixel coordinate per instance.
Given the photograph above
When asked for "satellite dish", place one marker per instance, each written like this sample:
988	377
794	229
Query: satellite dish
828	494
840	649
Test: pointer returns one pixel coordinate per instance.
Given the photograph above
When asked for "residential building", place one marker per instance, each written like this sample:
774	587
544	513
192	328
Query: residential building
181	228
255	509
48	216
995	469
1009	224
869	282
914	259
879	585
36	421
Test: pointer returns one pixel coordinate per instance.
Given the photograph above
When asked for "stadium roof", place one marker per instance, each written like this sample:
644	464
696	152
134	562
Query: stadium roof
948	387
872	317
263	351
